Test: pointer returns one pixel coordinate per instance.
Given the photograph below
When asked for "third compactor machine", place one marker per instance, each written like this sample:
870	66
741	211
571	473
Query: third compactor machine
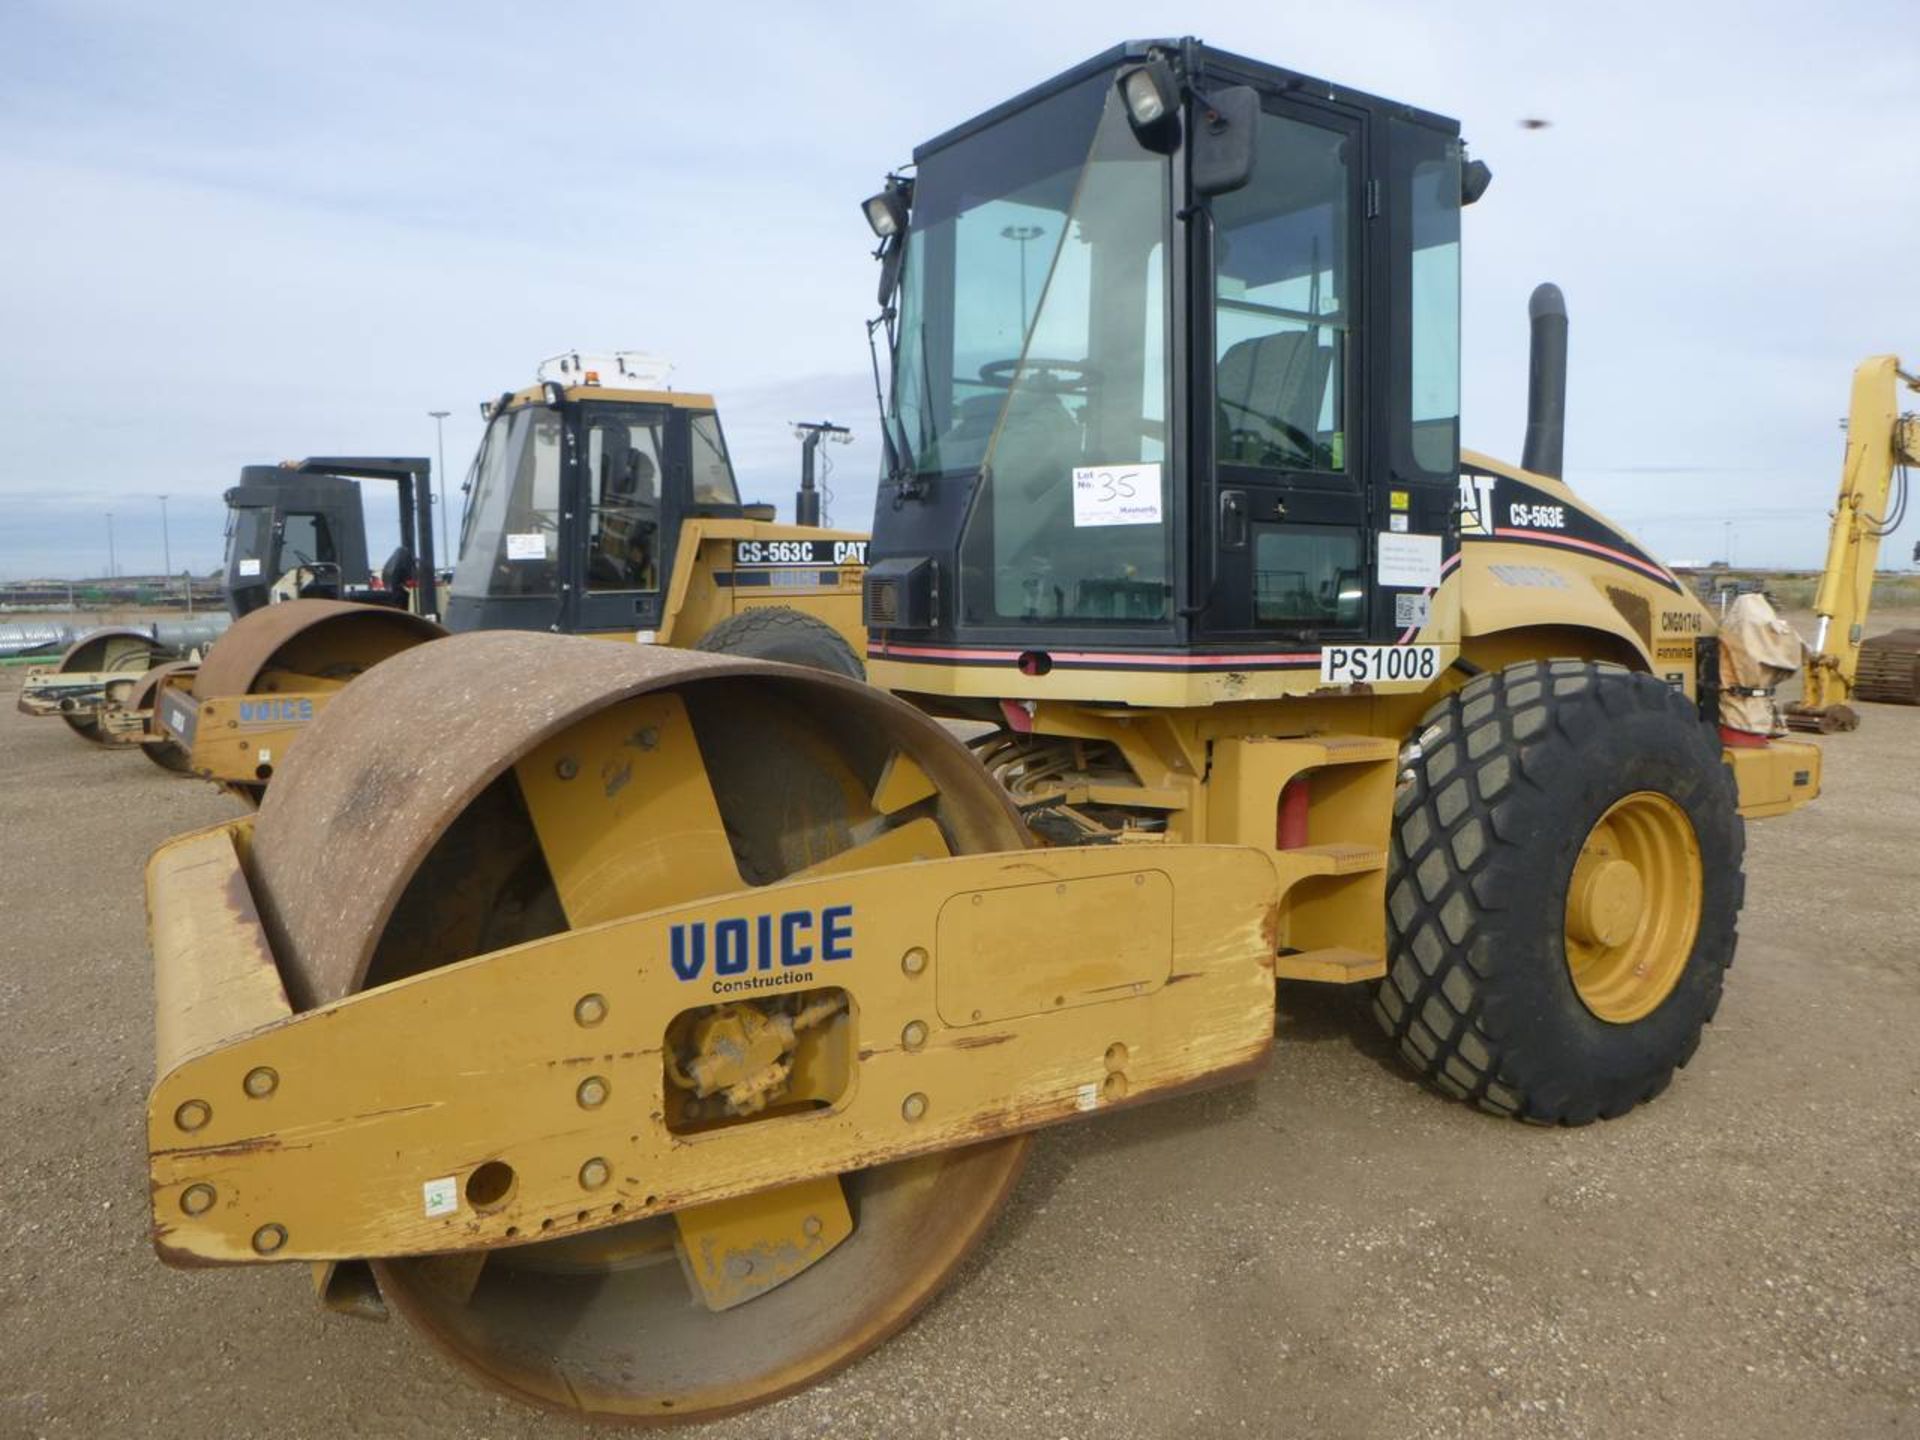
659	1030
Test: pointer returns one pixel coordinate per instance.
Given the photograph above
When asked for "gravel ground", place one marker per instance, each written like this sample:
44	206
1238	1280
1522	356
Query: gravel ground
1327	1250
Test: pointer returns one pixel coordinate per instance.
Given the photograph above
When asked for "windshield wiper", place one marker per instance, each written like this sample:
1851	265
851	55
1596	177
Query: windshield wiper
888	441
901	460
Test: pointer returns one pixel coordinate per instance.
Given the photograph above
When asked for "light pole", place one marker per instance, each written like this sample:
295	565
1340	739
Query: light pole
111	565
1023	234
440	440
166	558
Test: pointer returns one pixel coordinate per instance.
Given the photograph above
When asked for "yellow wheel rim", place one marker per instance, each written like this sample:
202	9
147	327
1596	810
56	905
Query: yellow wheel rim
1633	907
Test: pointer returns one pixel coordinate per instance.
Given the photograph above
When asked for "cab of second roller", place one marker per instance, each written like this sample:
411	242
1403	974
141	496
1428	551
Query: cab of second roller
575	505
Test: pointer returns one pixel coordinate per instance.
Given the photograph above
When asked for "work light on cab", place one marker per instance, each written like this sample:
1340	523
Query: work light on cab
886	212
1152	98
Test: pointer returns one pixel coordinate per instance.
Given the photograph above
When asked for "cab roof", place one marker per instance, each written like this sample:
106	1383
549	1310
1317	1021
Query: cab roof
575	394
1212	64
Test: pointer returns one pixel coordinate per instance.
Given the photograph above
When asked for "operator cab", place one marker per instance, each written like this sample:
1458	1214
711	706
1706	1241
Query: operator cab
577	496
298	530
1175	374
286	529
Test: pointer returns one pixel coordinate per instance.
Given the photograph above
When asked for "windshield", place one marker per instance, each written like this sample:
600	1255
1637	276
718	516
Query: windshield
1006	366
712	470
510	542
249	535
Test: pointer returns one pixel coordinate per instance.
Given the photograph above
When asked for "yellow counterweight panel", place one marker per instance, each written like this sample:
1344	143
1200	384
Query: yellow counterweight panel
239	739
470	1106
1776	778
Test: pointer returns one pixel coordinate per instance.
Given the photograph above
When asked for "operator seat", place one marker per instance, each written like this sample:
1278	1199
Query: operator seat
1271	388
398	572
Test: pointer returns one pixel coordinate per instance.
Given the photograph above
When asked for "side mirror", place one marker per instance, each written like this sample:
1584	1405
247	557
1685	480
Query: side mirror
1475	177
1226	129
892	254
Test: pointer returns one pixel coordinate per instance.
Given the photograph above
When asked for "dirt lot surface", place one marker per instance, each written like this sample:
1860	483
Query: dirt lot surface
1326	1251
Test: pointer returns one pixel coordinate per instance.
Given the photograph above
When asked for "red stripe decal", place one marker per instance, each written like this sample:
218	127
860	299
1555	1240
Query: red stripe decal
1406	635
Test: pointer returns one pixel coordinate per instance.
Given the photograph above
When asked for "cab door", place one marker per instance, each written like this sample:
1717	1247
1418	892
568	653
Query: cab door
1281	393
622	518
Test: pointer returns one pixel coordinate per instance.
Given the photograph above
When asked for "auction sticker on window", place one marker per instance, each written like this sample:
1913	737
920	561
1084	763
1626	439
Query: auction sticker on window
531	545
1116	495
1373	664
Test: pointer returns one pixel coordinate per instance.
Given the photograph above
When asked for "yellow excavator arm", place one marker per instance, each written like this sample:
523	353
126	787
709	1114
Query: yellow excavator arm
1881	442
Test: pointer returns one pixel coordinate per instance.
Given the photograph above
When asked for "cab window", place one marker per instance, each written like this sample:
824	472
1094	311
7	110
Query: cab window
1283	303
1434	291
712	471
623	536
1306	577
306	540
511	545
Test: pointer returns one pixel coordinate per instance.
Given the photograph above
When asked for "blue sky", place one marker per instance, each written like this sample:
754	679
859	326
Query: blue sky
236	233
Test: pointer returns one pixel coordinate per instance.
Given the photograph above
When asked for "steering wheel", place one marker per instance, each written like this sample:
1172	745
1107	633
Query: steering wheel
1049	377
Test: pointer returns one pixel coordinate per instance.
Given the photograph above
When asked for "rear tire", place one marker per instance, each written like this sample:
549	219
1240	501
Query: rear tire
1500	796
776	633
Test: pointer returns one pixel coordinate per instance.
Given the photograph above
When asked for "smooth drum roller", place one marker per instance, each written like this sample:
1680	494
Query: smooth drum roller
302	651
117	653
525	785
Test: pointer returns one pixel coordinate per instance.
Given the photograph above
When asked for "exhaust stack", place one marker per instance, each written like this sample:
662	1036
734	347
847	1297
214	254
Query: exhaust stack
1546	382
806	502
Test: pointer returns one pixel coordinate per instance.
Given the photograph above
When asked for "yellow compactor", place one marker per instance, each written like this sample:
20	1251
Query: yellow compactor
658	1030
601	503
105	685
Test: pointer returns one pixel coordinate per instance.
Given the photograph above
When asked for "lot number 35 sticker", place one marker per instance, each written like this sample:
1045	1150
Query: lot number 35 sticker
1116	495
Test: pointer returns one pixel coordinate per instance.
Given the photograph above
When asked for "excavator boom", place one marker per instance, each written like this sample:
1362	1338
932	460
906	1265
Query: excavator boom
1881	442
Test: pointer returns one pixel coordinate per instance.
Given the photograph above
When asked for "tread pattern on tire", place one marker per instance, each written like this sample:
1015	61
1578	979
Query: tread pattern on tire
1455	815
755	631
